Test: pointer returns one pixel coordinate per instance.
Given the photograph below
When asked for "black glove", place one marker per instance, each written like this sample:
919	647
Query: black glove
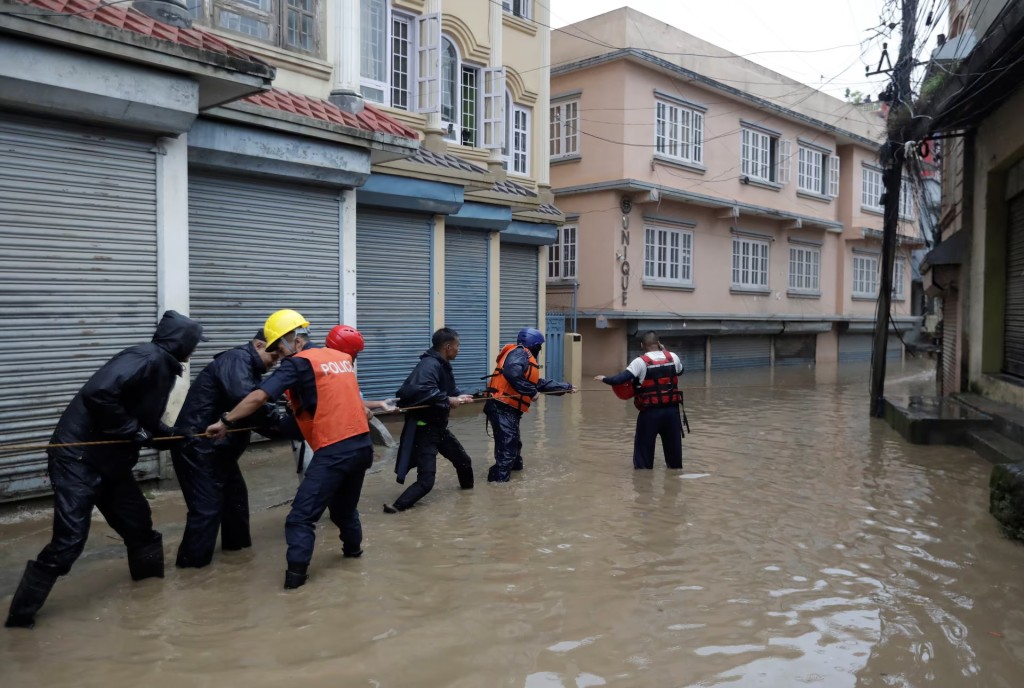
142	438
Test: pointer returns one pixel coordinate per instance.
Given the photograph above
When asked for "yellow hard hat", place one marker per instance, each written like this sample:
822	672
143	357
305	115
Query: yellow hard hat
281	323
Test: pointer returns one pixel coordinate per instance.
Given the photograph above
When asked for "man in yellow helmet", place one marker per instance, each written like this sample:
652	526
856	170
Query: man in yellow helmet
322	389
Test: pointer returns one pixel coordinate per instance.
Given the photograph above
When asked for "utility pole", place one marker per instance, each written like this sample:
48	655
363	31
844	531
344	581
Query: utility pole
893	157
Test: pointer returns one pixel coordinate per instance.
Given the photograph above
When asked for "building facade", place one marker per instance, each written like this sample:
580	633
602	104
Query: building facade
736	212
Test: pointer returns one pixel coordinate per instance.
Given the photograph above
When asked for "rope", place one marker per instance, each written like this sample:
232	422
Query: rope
36	447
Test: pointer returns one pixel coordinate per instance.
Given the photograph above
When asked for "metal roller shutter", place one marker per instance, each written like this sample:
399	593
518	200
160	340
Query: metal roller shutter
394	284
740	352
520	275
950	334
255	247
1013	339
691	351
855	347
78	276
795	349
465	303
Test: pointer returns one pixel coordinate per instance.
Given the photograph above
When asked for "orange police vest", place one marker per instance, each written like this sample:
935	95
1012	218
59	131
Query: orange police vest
339	408
503	391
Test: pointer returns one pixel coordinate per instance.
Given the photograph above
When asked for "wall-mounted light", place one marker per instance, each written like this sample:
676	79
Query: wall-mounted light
173	12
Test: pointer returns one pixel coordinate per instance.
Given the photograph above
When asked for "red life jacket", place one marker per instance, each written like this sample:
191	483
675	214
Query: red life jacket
661	384
502	390
339	408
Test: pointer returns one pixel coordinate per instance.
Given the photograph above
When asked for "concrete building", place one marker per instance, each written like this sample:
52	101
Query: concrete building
733	210
344	158
972	95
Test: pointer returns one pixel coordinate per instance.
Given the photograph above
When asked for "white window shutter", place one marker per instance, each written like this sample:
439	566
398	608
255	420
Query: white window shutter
785	162
698	138
494	107
833	176
428	67
745	151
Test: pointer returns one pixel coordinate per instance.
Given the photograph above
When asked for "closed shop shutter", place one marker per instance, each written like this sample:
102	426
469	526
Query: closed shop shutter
466	310
690	350
740	352
795	349
855	347
1013	341
78	276
520	275
394	283
894	347
259	246
950	335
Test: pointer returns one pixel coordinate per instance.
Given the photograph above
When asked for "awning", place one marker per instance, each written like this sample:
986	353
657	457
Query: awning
952	251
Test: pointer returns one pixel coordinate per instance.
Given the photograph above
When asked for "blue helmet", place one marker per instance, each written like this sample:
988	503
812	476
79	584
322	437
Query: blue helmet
529	337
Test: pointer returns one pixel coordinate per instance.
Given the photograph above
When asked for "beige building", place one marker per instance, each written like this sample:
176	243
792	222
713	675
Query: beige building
735	211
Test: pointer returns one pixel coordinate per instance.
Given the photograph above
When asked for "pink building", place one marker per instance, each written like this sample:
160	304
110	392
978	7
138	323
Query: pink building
731	209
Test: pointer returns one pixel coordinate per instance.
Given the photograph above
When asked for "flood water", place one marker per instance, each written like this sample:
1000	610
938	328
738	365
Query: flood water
803	544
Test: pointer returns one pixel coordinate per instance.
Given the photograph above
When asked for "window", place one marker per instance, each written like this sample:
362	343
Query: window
562	255
907	200
764	157
817	172
290	24
865	276
460	96
678	132
519	8
871	189
564	137
804	269
668	255
898	272
749	263
516	150
399	58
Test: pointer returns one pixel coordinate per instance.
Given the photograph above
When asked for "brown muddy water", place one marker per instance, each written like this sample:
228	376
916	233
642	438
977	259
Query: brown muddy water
803	544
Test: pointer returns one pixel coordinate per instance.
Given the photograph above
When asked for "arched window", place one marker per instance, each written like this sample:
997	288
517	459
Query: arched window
460	96
449	84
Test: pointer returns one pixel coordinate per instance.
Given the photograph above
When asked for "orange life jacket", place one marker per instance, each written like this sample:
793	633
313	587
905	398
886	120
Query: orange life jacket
339	408
502	390
661	384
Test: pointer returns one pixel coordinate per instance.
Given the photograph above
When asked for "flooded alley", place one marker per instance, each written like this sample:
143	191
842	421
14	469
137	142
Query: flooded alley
803	544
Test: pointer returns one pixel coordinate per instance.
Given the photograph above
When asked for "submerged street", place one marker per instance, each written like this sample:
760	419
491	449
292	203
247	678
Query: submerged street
803	544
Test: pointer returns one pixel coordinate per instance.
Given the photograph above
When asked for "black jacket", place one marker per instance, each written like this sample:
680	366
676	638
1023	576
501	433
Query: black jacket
217	389
430	383
129	391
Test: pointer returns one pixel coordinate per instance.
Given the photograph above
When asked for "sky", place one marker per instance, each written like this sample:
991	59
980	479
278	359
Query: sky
786	26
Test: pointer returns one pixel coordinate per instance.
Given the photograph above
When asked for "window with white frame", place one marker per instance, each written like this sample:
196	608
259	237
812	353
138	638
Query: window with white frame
678	132
805	269
460	96
898	273
562	255
817	172
516	150
290	24
668	255
518	8
906	200
399	58
764	157
749	263
865	276
871	188
564	134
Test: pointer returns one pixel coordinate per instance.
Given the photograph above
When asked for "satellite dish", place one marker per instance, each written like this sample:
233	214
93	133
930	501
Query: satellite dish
173	12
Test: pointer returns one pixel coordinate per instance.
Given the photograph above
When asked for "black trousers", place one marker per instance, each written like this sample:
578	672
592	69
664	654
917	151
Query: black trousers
508	446
650	423
430	440
77	488
217	499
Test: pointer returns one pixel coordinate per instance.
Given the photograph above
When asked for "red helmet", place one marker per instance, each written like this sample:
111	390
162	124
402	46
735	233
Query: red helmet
623	390
345	339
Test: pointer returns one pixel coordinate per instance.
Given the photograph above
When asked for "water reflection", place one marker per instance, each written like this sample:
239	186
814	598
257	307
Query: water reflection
803	544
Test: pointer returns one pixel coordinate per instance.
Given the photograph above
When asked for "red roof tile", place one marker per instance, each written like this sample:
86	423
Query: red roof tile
370	119
122	16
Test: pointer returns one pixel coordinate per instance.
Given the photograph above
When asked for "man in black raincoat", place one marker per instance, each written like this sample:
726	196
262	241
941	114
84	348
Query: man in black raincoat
430	384
207	469
123	400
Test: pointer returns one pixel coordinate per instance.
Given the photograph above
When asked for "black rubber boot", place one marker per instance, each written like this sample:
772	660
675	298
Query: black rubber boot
295	576
32	592
147	561
465	477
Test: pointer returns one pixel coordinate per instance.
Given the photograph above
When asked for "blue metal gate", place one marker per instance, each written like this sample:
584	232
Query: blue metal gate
554	347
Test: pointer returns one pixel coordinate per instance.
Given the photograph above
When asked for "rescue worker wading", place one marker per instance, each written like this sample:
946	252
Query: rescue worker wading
207	469
123	400
514	384
655	380
430	384
323	393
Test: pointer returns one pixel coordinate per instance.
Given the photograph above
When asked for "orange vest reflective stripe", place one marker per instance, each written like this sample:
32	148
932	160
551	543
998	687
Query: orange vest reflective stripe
502	389
339	408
